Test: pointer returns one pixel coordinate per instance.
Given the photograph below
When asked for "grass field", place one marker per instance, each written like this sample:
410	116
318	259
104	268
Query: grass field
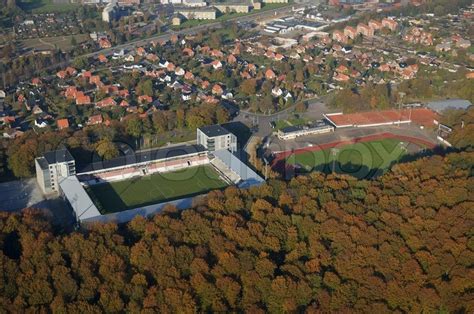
60	42
46	6
361	160
155	188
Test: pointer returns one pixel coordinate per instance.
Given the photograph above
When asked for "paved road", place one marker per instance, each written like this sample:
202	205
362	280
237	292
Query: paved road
316	109
192	30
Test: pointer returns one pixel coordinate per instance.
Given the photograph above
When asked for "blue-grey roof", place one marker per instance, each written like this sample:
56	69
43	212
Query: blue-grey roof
441	105
80	201
248	176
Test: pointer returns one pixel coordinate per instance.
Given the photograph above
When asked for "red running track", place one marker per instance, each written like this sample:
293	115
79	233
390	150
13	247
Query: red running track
368	138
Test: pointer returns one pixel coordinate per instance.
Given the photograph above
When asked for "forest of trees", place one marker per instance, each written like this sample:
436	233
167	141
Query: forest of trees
401	243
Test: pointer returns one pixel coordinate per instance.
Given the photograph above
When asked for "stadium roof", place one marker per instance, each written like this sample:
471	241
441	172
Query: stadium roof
60	155
248	176
80	201
441	105
213	130
141	157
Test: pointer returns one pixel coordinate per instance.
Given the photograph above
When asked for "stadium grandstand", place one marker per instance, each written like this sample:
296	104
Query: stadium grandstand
420	116
153	179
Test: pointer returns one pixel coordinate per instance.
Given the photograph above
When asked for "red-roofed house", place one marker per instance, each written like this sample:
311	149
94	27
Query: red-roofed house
170	67
217	89
340	77
107	102
96	119
350	32
375	25
145	99
390	24
231	59
86	74
188	76
205	84
61	74
36	81
279	57
216	53
342	69
102	58
83	100
124	103
339	36
141	51
188	52
71	92
71	71
62	123
104	43
95	79
124	93
269	74
365	30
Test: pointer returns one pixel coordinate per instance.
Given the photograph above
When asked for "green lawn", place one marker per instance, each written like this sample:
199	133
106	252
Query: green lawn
156	188
362	160
46	6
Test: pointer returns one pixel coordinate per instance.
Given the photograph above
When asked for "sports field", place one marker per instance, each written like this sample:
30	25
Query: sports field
361	160
155	188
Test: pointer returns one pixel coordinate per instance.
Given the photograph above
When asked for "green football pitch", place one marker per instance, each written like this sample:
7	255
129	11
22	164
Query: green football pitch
155	188
361	160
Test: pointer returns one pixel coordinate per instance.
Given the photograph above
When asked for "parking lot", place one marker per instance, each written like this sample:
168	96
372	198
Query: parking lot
20	194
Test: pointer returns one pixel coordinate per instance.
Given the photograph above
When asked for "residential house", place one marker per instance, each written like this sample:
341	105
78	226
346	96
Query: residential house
390	24
269	74
375	25
141	51
107	102
339	36
62	123
340	77
279	57
231	59
102	58
216	64
179	71
170	67
189	76
217	89
365	30
36	81
83	100
95	119
350	32
104	43
145	99
188	52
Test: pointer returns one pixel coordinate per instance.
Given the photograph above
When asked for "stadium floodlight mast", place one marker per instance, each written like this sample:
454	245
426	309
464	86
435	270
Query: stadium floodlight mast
334	152
401	94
